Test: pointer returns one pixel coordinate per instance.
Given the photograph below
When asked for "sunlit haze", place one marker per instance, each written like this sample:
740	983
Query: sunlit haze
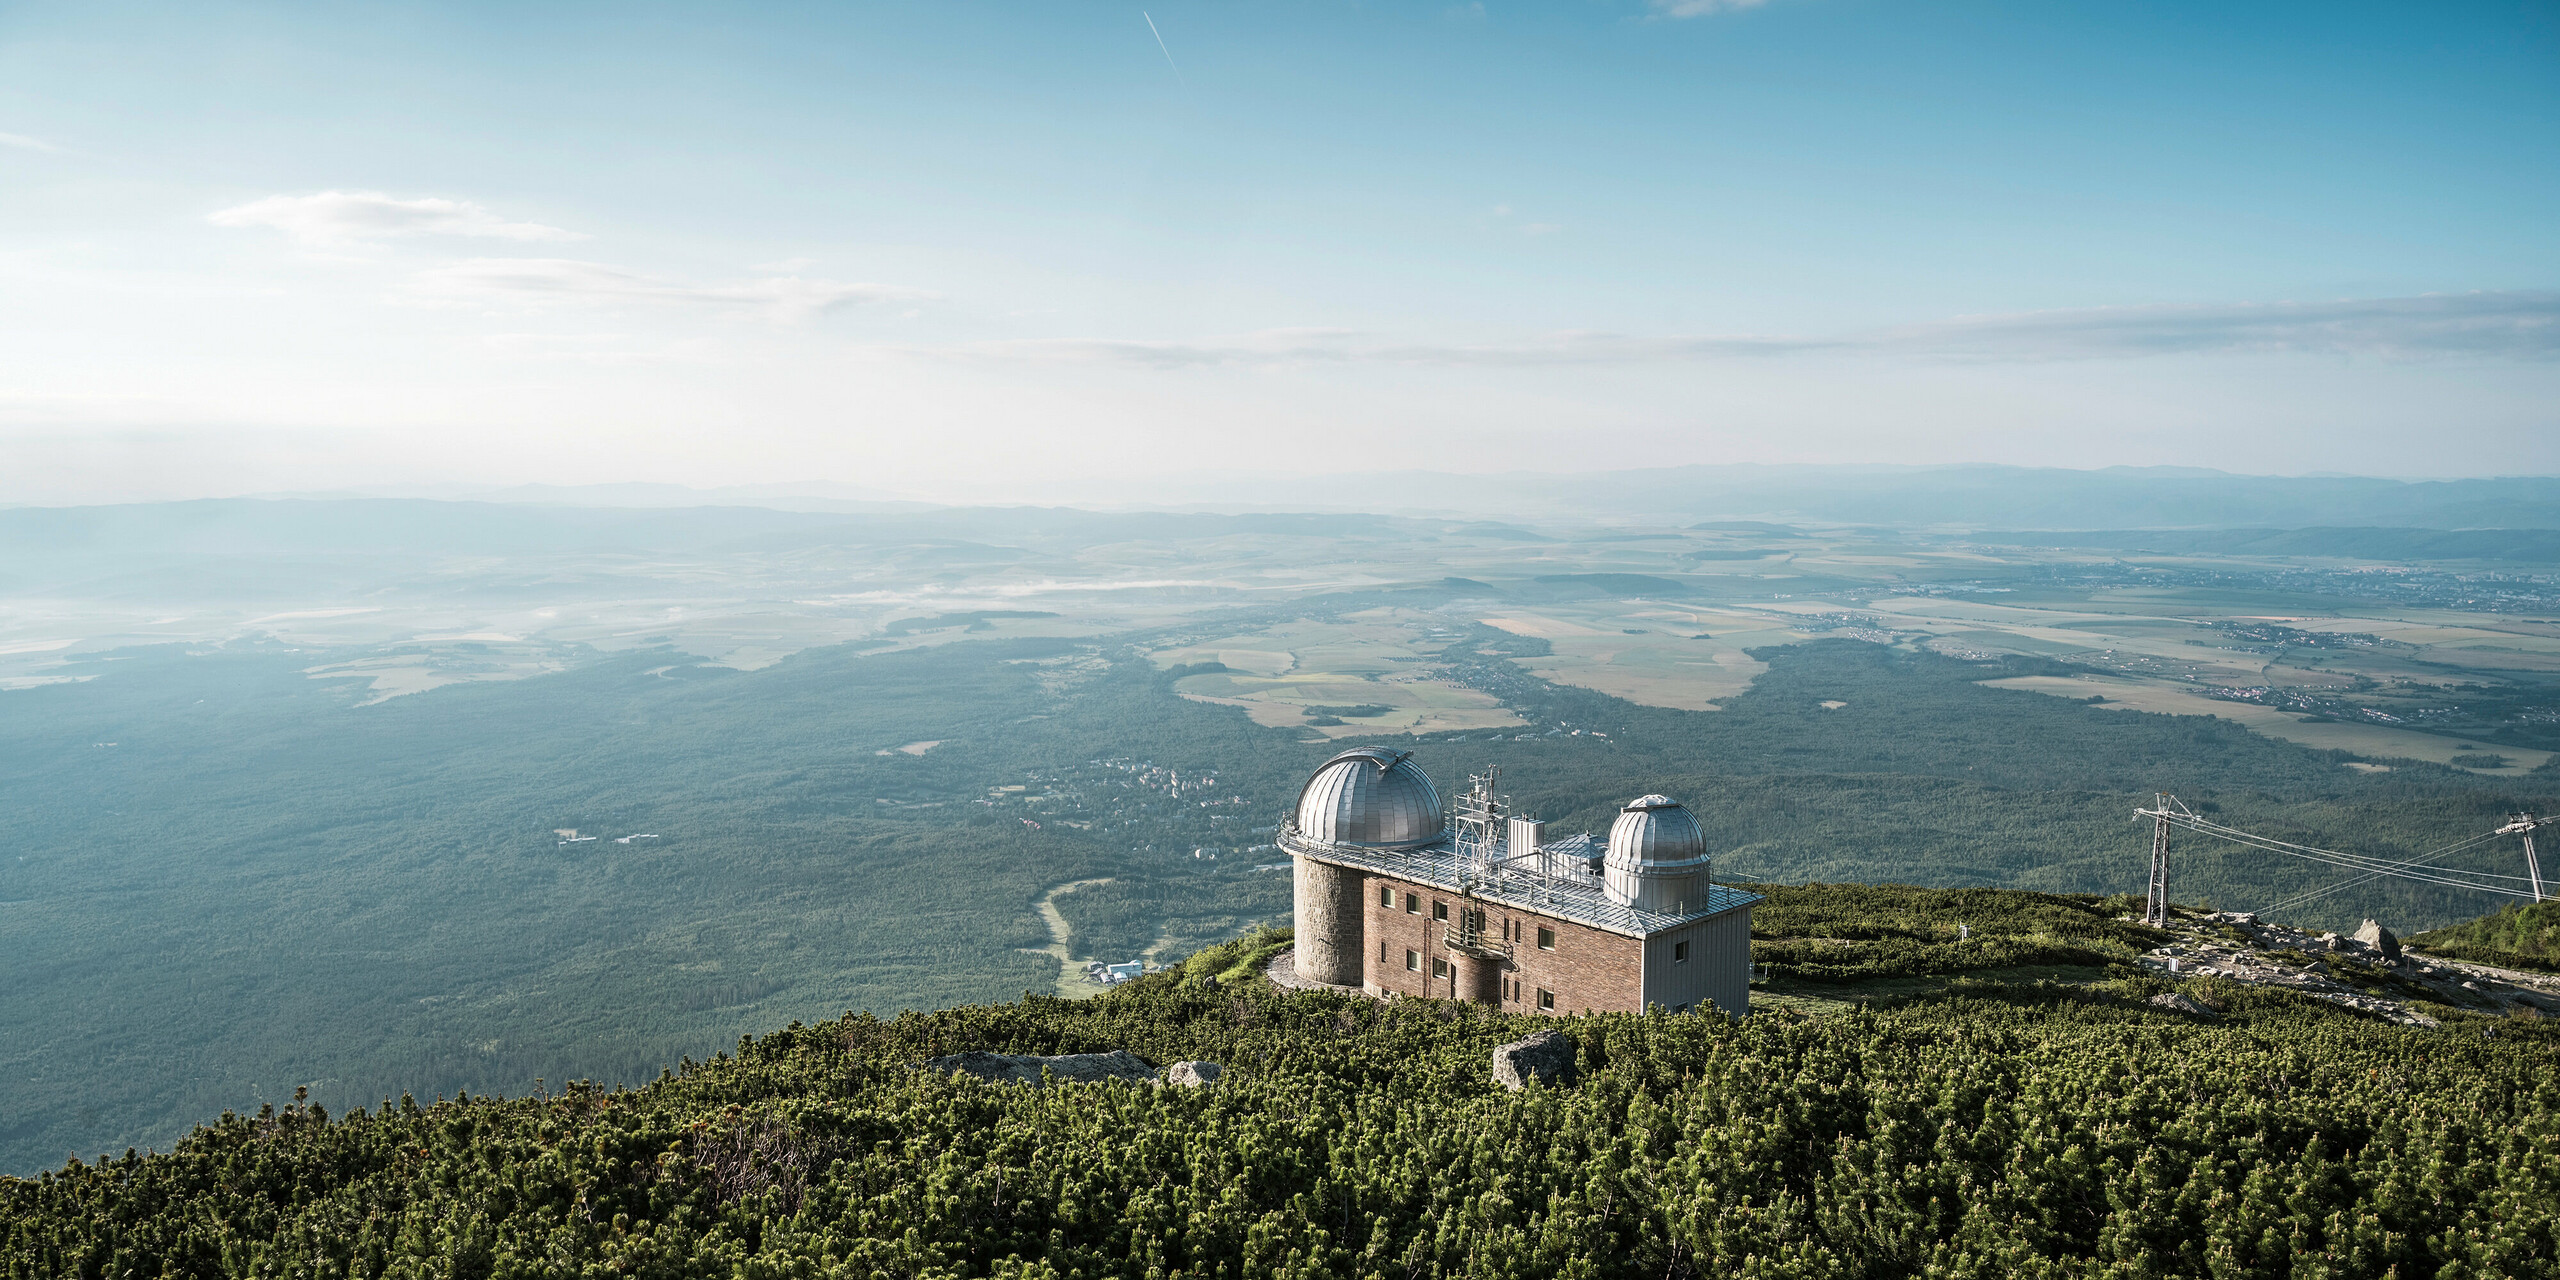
1094	253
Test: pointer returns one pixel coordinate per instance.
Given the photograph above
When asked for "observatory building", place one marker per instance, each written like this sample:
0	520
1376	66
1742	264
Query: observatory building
1397	896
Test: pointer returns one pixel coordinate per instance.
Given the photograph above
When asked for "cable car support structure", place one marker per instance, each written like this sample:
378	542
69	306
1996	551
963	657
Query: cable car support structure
2167	814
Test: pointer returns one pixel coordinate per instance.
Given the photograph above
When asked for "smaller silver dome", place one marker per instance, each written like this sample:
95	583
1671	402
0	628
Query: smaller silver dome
1372	798
1656	832
1658	858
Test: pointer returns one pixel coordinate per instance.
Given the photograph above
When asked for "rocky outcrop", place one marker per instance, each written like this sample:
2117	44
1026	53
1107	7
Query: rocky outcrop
1546	1057
2381	939
1065	1068
2179	1002
1192	1075
2346	969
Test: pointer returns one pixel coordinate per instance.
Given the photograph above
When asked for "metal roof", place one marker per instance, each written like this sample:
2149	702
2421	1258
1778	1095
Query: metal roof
1656	834
1575	896
1371	797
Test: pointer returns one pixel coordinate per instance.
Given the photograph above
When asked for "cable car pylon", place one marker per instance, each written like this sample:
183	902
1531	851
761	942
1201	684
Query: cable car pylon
2156	912
2522	824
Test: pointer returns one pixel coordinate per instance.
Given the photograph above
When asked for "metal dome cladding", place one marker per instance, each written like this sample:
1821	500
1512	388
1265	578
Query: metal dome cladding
1371	798
1656	833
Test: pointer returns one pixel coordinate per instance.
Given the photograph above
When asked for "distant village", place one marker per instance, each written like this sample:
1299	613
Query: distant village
1112	975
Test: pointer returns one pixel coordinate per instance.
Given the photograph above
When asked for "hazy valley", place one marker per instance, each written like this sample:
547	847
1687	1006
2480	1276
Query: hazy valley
292	783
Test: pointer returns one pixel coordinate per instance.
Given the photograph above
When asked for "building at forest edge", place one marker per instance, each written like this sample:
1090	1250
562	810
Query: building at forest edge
1395	895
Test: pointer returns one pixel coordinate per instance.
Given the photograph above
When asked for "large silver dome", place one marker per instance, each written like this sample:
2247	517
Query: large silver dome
1372	798
1657	859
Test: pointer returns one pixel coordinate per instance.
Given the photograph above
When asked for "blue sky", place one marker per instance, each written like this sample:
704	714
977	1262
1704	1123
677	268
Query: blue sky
979	250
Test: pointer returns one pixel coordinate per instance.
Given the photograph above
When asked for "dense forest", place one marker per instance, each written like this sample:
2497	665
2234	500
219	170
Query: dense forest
2008	1130
225	881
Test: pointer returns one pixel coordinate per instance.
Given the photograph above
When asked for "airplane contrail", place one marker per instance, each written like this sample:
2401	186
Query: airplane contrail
1168	53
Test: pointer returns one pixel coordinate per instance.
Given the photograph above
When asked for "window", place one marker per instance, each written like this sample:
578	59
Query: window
1680	955
1439	910
1412	904
1412	961
1439	967
1546	939
1386	896
1546	999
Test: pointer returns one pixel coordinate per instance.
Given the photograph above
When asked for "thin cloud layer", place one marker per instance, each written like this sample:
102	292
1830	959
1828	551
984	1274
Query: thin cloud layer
1343	346
568	281
2522	325
343	217
22	142
1701	8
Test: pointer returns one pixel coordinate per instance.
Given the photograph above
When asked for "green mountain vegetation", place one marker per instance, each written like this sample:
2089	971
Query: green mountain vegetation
226	880
2003	1129
2518	935
1831	935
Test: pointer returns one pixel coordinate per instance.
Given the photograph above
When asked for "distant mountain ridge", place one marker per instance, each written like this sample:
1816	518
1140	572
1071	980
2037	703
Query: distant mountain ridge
2156	509
2530	546
1975	497
1967	496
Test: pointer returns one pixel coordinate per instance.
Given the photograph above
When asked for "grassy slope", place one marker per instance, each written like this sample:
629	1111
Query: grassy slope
1832	935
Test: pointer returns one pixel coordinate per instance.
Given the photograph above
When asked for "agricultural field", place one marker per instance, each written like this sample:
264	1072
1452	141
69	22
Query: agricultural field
1367	672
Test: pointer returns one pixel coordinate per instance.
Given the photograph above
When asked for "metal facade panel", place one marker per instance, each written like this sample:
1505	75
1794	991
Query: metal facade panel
1526	836
1717	973
1728	952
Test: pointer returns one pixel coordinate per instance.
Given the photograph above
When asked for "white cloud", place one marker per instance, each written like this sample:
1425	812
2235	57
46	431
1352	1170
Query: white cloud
340	217
1342	346
1701	8
24	143
2522	325
568	281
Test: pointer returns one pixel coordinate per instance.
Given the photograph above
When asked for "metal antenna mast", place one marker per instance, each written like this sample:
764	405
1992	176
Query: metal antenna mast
1478	823
2522	824
2156	914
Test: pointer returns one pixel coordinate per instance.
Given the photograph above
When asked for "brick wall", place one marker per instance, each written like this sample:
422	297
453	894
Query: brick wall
1588	970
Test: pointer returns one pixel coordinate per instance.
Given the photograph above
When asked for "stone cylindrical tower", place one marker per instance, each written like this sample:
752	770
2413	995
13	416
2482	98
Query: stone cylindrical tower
1366	801
1328	920
1479	978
